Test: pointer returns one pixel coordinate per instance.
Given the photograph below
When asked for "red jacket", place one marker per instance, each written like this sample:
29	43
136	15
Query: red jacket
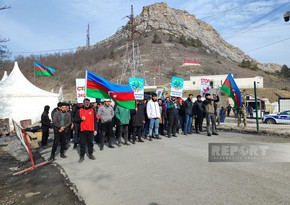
89	123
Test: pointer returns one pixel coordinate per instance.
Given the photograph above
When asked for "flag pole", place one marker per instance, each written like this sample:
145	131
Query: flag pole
256	106
34	73
86	83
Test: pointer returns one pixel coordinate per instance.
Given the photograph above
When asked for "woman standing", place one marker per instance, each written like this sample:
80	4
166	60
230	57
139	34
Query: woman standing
45	125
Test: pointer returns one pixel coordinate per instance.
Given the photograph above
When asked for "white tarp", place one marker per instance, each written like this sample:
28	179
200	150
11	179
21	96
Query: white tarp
20	99
4	77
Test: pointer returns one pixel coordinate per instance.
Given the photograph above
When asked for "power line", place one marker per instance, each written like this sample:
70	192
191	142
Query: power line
226	11
257	26
239	31
285	39
46	51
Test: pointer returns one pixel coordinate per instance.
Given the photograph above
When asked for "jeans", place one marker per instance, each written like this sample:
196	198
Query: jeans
187	124
153	123
210	117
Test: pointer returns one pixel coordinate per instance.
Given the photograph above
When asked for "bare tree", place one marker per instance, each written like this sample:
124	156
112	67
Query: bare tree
5	7
3	49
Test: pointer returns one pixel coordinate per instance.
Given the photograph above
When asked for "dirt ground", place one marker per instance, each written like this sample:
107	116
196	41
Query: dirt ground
44	185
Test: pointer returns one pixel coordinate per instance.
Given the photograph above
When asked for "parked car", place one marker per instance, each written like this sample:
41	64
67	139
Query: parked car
282	117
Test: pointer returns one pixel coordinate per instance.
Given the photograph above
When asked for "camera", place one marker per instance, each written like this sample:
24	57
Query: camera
286	16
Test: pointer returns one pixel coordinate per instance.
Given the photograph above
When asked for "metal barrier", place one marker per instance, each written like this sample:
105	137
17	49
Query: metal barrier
23	137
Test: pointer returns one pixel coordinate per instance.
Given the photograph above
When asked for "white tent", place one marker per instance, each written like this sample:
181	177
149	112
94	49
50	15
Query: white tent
21	100
4	77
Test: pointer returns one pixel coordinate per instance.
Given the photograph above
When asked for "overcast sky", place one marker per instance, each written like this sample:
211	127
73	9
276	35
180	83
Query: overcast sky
40	27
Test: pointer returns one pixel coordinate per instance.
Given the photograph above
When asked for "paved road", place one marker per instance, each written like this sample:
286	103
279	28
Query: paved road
177	171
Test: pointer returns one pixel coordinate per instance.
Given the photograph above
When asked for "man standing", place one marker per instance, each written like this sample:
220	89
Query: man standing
172	115
188	105
251	112
76	127
229	108
57	108
86	116
242	113
61	124
138	121
153	114
208	104
123	117
106	113
199	114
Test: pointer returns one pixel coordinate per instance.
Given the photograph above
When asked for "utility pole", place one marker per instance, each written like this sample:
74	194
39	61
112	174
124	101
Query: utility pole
132	58
88	36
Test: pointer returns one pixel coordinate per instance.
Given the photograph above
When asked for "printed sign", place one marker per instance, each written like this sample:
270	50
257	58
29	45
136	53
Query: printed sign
137	84
204	86
177	87
159	93
190	61
80	90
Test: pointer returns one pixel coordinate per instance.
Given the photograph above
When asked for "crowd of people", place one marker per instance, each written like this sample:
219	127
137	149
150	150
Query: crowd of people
105	122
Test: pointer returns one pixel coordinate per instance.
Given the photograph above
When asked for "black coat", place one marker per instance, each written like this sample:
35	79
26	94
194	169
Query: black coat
45	121
198	109
188	107
137	117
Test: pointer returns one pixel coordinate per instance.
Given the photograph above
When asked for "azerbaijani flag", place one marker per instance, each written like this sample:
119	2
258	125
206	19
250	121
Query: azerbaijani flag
97	87
230	87
43	70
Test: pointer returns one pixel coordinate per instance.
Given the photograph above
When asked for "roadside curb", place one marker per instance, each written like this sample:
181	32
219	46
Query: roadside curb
251	131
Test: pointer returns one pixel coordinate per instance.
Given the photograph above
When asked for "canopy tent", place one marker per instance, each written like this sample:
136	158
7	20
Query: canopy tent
4	77
20	99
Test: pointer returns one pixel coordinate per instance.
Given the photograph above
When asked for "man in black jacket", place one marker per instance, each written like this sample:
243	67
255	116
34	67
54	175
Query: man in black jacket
138	121
61	125
188	108
198	113
172	114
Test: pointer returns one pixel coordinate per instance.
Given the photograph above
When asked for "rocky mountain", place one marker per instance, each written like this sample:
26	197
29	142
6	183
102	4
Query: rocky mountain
161	18
165	37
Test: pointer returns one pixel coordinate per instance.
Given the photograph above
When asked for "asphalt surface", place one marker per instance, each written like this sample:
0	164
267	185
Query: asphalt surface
177	171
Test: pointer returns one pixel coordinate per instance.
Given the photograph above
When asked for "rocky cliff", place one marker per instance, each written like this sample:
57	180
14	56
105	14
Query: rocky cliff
160	17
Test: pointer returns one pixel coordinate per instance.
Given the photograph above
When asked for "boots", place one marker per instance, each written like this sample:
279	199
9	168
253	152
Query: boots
62	155
51	158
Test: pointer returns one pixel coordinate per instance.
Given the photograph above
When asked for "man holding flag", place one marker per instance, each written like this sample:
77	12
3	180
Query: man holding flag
242	113
230	87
